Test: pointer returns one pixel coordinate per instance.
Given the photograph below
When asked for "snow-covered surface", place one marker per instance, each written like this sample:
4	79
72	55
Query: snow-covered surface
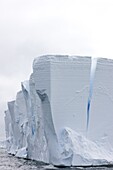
63	114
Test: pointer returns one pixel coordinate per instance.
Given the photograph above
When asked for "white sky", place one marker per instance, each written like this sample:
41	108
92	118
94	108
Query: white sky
29	28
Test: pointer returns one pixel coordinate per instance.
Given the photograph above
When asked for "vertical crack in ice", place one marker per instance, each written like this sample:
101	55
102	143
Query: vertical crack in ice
92	76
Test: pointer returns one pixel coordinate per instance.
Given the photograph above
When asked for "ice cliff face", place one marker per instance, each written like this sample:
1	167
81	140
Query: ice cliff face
63	114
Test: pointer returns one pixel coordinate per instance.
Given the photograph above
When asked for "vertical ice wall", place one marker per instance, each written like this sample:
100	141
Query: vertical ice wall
15	128
63	79
20	111
50	134
37	146
70	77
27	96
8	129
41	71
24	124
67	82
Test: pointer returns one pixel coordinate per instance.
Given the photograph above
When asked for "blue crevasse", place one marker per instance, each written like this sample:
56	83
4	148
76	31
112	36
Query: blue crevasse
92	76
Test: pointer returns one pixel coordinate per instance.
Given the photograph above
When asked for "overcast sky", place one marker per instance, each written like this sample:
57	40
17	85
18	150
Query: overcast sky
30	28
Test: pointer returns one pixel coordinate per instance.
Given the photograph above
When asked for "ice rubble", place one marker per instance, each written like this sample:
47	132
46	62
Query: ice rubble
63	114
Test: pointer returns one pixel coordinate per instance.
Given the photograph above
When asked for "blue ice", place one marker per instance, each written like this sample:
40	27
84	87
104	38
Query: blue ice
92	77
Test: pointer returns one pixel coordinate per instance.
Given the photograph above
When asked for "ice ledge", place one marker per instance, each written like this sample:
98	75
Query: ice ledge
83	151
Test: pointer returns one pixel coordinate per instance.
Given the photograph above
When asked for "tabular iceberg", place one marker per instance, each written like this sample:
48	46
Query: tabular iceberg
63	114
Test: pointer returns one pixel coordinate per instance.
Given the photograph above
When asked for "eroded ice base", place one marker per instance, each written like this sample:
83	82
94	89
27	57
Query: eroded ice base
82	151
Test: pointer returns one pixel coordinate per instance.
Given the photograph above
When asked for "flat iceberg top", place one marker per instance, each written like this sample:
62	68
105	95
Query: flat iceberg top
72	59
60	59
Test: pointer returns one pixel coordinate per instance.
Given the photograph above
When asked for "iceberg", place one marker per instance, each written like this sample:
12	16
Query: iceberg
63	113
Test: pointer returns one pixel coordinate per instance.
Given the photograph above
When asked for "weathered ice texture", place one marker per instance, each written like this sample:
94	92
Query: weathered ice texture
63	115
